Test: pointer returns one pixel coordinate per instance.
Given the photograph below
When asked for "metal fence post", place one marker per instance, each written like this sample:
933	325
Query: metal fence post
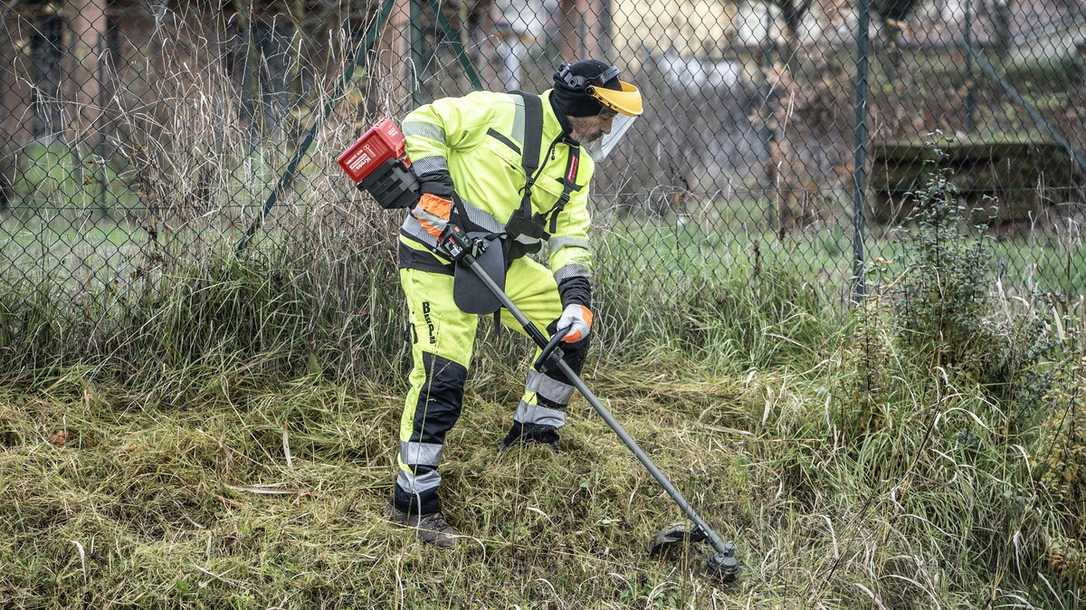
766	61
418	57
970	99
859	170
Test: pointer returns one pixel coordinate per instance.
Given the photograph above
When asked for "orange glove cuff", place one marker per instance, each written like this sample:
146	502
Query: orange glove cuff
436	211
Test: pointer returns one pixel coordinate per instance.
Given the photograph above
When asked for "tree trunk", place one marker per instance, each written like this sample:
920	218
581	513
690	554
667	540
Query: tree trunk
11	102
1002	18
782	162
397	79
88	29
246	67
273	36
607	34
592	42
45	57
483	49
11	106
569	28
297	17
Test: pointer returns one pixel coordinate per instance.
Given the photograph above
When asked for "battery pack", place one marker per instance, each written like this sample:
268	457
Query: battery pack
392	185
378	164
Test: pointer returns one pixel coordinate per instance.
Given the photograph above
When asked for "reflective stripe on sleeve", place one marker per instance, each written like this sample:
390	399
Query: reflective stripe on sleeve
425	130
571	270
557	243
429	164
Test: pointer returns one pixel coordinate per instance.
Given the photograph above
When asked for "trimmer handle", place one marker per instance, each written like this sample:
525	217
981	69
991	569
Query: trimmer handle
461	248
551	351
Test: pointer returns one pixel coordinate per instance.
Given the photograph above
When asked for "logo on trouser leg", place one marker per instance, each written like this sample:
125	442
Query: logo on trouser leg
430	331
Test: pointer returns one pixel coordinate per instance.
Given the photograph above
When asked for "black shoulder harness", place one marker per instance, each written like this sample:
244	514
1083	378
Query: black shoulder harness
524	221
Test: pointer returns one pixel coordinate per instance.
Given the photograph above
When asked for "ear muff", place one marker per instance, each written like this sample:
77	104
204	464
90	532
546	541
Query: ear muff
575	82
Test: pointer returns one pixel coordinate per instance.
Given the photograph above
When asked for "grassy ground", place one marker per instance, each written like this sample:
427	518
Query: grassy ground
258	495
252	494
212	458
222	435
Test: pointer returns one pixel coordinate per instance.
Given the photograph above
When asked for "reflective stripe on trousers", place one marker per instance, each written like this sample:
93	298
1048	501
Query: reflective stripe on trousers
420	454
418	483
548	388
544	416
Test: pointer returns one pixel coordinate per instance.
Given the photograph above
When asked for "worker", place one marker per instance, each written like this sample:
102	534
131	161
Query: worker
510	169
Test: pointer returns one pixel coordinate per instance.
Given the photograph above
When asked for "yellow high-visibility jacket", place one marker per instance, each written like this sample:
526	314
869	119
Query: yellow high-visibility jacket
478	139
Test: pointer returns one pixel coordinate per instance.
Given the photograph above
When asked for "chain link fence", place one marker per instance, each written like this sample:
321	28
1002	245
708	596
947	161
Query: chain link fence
785	134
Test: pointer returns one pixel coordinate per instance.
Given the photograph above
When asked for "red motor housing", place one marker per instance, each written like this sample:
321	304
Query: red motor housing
380	143
378	164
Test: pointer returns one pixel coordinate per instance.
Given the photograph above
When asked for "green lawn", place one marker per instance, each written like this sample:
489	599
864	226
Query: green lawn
51	175
663	253
83	247
68	247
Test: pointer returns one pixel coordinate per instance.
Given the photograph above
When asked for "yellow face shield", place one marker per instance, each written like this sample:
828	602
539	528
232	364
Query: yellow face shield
627	101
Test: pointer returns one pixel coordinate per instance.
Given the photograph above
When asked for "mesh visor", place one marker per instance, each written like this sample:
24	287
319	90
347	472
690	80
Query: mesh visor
603	146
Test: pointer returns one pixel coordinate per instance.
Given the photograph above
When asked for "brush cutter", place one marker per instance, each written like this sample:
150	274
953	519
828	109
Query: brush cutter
465	251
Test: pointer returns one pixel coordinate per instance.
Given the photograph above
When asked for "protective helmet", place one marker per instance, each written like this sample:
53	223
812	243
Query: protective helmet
596	81
591	87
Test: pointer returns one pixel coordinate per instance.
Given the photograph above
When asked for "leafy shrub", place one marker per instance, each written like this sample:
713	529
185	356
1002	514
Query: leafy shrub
943	296
946	307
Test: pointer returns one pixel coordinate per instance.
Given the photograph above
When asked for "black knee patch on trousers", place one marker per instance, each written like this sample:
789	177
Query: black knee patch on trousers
440	399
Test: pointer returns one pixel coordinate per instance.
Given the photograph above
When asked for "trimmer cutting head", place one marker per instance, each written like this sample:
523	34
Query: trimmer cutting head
724	565
721	564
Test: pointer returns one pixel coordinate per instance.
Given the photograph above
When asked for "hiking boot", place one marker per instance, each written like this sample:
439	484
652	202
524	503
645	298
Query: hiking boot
431	529
523	434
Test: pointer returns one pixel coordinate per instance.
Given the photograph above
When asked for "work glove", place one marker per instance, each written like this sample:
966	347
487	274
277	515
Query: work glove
577	321
436	183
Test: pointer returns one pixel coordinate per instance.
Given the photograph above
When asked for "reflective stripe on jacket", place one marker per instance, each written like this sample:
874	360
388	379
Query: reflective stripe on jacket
478	139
